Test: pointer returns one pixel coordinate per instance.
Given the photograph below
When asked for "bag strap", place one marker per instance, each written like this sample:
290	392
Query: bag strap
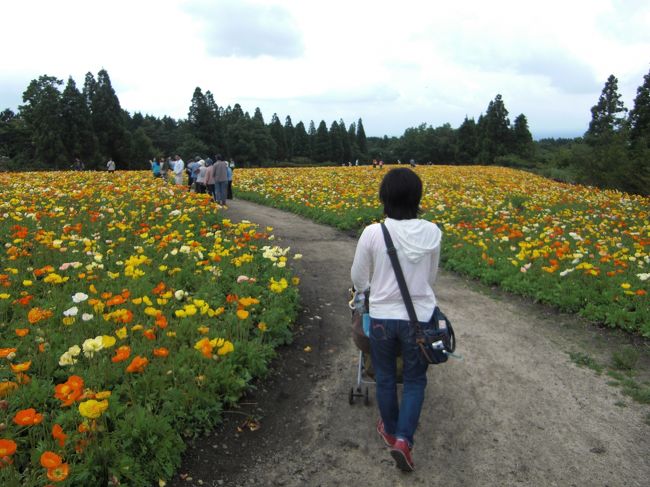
399	275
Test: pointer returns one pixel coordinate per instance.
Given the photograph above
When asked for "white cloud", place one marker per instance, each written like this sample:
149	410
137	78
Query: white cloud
395	65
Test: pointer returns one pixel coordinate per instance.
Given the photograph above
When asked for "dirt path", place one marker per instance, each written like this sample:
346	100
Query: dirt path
515	411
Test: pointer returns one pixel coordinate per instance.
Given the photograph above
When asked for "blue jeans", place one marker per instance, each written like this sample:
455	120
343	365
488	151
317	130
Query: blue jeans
220	189
386	339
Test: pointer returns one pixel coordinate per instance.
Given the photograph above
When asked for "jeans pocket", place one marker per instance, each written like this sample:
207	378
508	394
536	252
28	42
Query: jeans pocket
378	330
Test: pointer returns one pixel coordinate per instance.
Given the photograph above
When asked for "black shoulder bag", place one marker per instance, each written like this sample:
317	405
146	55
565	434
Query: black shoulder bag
438	341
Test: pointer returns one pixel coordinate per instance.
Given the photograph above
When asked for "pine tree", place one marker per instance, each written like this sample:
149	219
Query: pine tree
202	120
608	115
77	129
311	133
90	86
345	140
258	116
522	139
322	144
640	115
277	133
494	131
42	115
217	144
467	141
289	135
109	121
352	140
362	143
301	141
336	143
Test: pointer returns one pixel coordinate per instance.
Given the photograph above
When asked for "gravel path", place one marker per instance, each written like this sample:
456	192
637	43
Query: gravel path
516	411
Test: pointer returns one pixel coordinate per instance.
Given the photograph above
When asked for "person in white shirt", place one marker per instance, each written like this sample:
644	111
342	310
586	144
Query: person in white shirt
418	250
110	165
179	167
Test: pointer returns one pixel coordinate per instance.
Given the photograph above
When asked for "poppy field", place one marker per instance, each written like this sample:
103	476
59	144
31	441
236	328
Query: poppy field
132	314
578	248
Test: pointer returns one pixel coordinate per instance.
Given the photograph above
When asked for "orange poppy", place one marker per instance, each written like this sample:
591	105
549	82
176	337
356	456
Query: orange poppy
58	474
161	321
24	301
121	354
50	459
59	435
160	352
137	364
22	367
70	391
115	300
4	352
43	270
21	332
149	334
38	314
7	447
159	289
28	417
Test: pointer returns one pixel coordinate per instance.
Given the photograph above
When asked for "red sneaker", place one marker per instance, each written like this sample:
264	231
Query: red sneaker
402	455
388	439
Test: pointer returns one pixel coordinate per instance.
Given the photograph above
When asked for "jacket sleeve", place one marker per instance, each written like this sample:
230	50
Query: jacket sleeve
435	261
360	272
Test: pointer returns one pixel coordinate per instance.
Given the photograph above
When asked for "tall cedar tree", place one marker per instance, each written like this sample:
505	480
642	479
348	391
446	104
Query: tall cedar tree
277	133
345	140
362	143
311	133
322	144
522	139
336	143
467	142
217	144
640	114
77	126
289	135
109	122
352	140
494	131
42	115
202	122
300	141
608	115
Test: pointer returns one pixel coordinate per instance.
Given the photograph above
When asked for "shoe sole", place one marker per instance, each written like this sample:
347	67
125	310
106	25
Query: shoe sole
401	461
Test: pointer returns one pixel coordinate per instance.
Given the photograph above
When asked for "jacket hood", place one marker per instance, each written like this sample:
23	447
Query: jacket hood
415	238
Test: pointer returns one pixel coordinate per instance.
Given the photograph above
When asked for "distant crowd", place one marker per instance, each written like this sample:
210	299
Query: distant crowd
213	177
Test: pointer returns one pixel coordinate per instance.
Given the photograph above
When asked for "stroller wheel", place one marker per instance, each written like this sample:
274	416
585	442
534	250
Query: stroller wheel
366	398
351	398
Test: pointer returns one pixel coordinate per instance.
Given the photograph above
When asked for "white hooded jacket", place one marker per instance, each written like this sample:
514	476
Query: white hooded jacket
418	251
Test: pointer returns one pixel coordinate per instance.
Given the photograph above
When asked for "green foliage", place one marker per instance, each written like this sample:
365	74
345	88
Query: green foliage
321	151
43	115
584	360
608	115
625	359
640	113
276	130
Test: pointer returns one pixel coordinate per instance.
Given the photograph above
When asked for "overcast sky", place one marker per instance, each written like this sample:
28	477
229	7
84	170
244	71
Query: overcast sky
395	64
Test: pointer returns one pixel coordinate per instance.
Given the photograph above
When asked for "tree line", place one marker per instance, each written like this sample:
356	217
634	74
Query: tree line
55	126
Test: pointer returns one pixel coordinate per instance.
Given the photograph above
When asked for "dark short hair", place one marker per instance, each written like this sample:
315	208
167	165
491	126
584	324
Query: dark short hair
400	192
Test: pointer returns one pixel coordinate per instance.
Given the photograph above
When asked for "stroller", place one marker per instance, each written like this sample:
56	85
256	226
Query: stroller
360	331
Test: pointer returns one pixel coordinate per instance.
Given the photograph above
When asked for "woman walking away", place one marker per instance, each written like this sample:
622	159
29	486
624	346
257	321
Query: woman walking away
418	250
